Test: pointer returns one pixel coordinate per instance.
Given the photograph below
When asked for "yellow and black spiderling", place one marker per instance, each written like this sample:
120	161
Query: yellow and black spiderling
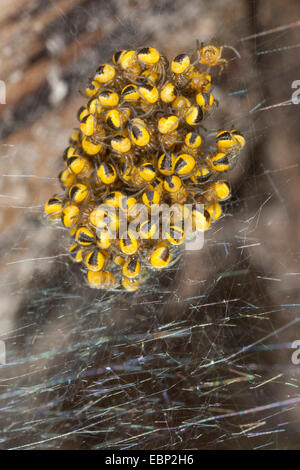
80	166
220	161
148	229
131	268
90	147
92	89
161	256
128	243
66	178
101	279
70	215
193	140
166	163
149	93
175	235
141	145
120	144
84	236
229	140
139	133
180	64
78	192
184	164
201	175
107	173
194	115
148	56
130	93
87	125
166	125
201	219
75	252
53	208
108	99
94	260
104	74
151	197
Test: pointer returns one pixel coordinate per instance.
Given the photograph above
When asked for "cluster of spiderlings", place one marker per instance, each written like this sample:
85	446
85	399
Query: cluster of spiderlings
140	141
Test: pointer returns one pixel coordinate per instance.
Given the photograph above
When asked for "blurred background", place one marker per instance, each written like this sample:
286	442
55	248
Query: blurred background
201	357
